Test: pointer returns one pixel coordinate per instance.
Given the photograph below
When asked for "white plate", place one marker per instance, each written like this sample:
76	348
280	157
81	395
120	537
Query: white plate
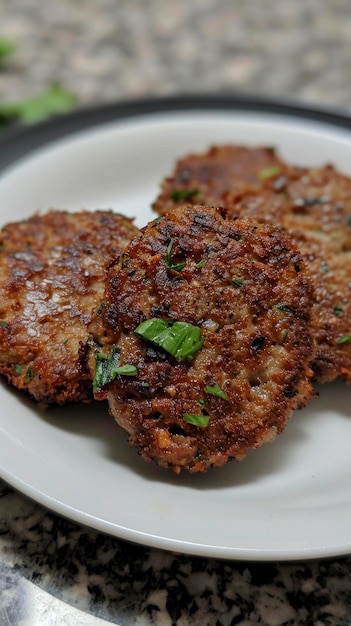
288	500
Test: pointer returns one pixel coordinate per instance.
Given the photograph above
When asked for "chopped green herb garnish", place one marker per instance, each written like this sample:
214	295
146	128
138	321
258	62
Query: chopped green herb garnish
200	264
197	420
29	374
66	342
324	267
268	172
202	401
284	335
183	194
178	266
108	368
101	306
343	339
215	390
180	339
237	282
127	370
338	310
18	369
4	324
145	384
284	307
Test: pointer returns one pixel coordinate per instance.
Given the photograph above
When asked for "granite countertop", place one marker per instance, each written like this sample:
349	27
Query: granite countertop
53	571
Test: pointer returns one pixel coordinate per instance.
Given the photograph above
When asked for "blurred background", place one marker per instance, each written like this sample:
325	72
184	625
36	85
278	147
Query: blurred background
57	55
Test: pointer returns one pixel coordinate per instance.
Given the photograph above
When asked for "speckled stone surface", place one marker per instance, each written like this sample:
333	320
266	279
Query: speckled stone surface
108	50
128	584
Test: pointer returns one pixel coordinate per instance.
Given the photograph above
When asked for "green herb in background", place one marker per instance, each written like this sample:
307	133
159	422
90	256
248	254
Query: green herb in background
7	47
55	100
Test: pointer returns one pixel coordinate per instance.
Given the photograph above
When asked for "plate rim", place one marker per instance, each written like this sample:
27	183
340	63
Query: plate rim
18	142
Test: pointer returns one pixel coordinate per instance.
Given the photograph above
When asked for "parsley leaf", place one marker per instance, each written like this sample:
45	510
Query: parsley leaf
108	368
197	420
215	390
343	339
183	194
268	172
180	339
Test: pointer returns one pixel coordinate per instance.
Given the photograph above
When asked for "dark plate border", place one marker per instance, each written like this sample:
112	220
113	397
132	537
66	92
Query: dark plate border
21	140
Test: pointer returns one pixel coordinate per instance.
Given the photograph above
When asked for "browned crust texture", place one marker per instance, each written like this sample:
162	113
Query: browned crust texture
52	271
244	286
313	205
209	175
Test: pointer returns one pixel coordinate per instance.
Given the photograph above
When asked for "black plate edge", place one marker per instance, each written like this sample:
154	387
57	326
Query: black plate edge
21	140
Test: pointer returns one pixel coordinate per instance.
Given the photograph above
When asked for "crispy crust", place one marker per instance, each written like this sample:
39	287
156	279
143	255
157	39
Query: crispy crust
313	205
52	270
212	174
250	298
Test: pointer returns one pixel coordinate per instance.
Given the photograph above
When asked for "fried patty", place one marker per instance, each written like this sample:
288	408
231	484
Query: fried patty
204	178
52	271
313	205
210	321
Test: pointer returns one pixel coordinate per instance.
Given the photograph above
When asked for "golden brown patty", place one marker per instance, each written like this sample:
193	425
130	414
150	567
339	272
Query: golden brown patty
204	178
314	205
240	288
52	271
